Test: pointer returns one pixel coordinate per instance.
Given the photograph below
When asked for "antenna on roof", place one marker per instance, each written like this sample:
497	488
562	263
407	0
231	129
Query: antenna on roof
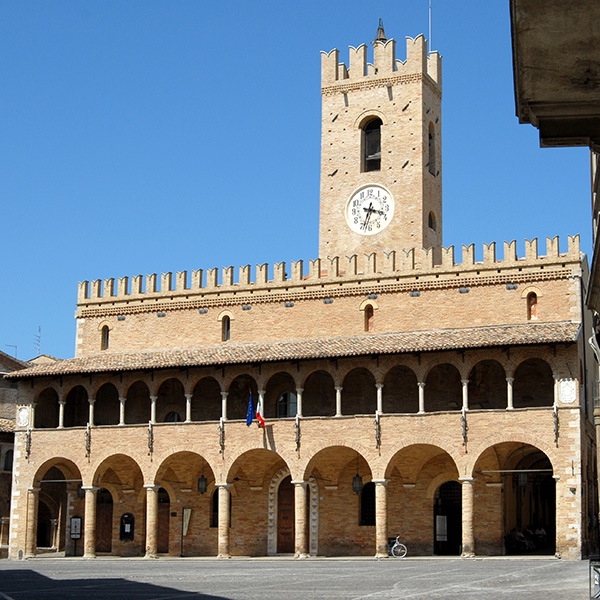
12	346
37	341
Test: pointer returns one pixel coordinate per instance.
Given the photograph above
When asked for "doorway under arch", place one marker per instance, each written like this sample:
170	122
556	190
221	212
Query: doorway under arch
447	519
285	516
104	520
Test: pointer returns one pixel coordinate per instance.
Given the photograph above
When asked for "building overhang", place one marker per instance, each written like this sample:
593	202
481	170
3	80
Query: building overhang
556	67
226	354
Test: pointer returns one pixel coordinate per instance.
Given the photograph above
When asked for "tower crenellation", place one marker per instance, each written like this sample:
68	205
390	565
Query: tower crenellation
345	269
385	64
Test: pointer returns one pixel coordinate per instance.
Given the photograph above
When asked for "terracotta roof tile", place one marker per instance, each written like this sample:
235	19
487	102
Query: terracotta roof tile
384	343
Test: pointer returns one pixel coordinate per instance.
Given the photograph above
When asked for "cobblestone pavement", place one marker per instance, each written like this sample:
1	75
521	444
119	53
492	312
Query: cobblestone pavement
283	578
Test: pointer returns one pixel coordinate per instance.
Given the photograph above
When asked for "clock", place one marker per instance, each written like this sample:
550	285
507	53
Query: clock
369	209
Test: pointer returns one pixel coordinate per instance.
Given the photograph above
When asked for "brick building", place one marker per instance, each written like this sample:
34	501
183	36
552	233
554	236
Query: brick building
404	391
8	398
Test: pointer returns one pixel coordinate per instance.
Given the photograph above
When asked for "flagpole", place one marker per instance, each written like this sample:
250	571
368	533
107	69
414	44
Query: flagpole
430	45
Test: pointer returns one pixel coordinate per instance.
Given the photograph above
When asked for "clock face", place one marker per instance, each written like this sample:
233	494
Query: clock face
370	209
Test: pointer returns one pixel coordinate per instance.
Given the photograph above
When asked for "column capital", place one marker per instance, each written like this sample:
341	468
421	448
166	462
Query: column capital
261	392
90	488
61	401
379	386
122	400
224	394
152	487
188	396
467	479
91	400
338	388
227	485
510	379
299	483
464	381
382	482
299	390
421	384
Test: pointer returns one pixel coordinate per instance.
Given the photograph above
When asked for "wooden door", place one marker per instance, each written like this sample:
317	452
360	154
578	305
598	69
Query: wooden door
104	515
285	517
164	510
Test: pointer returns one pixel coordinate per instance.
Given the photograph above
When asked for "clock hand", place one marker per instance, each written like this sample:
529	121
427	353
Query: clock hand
369	212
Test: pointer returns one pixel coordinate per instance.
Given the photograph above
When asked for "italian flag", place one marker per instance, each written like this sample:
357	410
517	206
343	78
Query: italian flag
259	411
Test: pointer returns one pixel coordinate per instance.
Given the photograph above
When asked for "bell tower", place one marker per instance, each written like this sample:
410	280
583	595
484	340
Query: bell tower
381	172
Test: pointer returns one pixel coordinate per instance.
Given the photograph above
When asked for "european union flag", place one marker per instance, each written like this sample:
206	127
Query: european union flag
250	415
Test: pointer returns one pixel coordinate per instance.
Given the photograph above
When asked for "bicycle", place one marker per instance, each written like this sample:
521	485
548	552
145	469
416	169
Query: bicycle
399	550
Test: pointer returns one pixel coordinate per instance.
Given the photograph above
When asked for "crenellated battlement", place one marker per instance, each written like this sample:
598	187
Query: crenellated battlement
416	262
385	64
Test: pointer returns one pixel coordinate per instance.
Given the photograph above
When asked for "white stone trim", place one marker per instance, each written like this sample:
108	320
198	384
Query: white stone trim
272	513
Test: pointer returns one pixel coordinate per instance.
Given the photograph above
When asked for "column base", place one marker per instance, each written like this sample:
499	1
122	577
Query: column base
301	555
223	555
382	555
89	556
468	555
148	555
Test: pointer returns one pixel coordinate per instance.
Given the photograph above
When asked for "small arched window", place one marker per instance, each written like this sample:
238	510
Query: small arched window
173	417
371	145
431	149
104	338
287	404
431	223
225	329
367	504
532	303
369	317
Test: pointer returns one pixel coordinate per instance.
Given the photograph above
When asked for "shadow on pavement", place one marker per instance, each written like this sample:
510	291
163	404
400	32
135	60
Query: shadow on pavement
24	584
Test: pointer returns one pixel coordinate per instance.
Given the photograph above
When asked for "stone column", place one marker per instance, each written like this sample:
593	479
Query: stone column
31	415
151	521
338	401
153	400
381	524
509	393
91	401
468	497
224	499
54	532
224	406
465	394
597	425
33	495
298	401
300	524
61	413
556	390
122	411
379	387
89	537
188	408
421	385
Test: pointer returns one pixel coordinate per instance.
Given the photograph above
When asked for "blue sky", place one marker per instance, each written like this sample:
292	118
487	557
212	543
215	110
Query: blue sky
146	136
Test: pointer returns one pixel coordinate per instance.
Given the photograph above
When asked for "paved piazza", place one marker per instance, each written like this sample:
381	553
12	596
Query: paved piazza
274	579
